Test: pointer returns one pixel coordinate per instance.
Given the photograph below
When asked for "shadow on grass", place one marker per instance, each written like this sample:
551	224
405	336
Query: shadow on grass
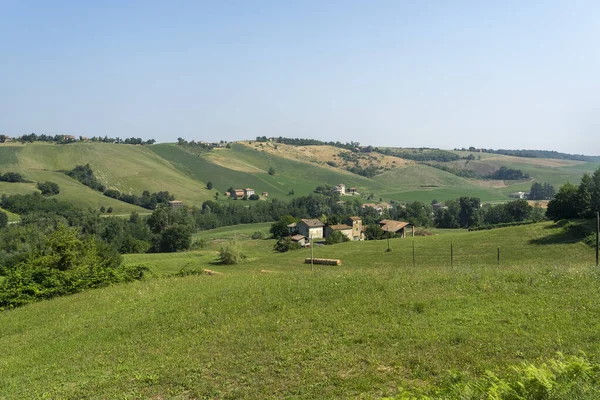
565	232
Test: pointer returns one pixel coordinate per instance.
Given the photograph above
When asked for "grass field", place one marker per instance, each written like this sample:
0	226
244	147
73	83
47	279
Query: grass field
360	330
11	216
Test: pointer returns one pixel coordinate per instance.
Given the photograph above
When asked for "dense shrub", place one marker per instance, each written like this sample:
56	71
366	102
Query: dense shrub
258	235
68	263
336	237
85	175
48	188
286	244
12	177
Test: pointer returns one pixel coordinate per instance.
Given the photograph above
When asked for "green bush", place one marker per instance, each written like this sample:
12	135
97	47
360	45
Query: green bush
48	188
231	254
286	244
67	264
3	219
336	237
258	235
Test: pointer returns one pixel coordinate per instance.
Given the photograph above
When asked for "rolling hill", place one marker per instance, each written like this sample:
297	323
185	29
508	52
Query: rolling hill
298	170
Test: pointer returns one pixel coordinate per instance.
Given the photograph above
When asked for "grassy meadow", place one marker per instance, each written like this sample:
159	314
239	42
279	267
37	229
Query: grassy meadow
272	328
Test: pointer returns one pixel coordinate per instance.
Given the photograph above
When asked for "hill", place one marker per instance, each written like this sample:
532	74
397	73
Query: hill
363	329
130	169
298	171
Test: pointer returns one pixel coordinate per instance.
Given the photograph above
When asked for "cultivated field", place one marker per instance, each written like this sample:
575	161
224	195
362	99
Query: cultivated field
272	328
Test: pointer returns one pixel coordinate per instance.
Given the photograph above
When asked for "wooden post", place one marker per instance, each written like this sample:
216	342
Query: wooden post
388	240
413	230
312	258
413	248
597	237
451	256
498	256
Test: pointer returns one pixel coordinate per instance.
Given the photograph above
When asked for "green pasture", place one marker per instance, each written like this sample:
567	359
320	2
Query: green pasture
272	328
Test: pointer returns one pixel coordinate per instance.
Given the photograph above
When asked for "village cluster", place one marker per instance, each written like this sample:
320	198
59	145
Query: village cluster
307	230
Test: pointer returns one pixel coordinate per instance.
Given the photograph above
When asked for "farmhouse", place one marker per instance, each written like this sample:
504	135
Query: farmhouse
380	208
518	195
357	228
237	193
265	194
175	204
248	192
352	191
341	189
301	240
344	229
292	228
396	227
311	228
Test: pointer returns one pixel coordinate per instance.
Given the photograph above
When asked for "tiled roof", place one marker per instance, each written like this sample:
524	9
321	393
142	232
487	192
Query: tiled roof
340	227
313	223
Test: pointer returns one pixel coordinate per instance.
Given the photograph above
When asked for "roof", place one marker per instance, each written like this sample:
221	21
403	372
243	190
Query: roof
353	189
372	205
292	225
340	227
297	238
175	202
312	223
394	226
355	218
248	189
386	221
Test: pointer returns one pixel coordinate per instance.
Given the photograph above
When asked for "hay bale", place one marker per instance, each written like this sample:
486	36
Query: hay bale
323	261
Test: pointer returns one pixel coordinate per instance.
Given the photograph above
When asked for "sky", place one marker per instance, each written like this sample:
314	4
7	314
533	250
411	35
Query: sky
446	74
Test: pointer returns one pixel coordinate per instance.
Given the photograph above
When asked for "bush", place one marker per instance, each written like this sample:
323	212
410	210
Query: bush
231	254
3	219
336	237
253	197
258	235
67	264
271	171
48	188
286	244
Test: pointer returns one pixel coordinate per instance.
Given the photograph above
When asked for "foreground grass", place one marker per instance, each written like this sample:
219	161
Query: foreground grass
363	329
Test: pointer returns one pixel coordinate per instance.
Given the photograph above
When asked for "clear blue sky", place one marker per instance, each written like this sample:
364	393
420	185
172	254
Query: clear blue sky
510	74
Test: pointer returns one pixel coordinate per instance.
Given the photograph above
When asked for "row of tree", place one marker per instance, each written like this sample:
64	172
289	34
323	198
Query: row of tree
64	139
581	201
12	177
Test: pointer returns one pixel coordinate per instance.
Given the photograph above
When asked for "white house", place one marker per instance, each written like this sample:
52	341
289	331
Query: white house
310	228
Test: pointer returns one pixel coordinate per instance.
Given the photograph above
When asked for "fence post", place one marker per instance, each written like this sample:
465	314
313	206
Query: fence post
498	256
451	255
413	248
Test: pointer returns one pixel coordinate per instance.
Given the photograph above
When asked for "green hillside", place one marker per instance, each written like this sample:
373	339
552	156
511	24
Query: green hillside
249	168
360	330
133	169
130	169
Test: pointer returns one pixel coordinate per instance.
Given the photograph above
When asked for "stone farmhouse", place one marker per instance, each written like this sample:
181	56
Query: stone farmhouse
396	227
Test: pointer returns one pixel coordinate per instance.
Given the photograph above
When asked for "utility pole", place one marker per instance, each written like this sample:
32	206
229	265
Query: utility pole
451	255
311	251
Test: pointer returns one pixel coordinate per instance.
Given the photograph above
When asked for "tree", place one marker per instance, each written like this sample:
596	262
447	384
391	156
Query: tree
109	210
102	209
564	204
3	219
280	228
253	197
48	188
175	238
469	211
518	210
209	185
271	171
374	232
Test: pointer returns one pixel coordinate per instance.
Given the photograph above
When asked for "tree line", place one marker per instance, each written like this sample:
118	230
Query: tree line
65	139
